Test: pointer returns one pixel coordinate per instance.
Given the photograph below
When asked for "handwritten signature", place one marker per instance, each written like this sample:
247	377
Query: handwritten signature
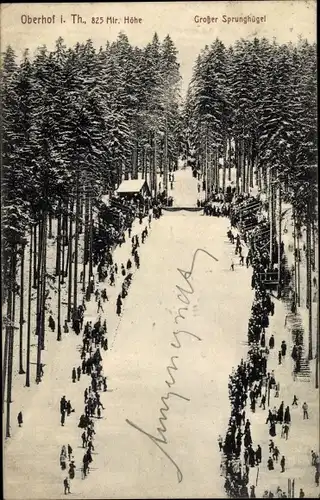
183	297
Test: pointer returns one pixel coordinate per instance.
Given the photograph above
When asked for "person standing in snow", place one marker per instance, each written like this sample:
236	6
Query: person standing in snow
305	411
52	324
20	418
74	375
271	342
69	451
66	485
99	306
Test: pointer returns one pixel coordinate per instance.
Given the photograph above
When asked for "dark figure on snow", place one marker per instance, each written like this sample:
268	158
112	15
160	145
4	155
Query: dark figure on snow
258	454
280	413
270	464
104	295
301	493
295	400
252	492
279	357
52	324
65	327
119	304
63	404
69	451
271	342
305	411
78	373
283	348
63	459
69	408
282	463
287	417
20	419
123	271
275	453
66	485
100	308
72	468
129	264
74	375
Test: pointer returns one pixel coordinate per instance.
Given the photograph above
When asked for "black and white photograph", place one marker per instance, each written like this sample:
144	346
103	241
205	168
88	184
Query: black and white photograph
159	250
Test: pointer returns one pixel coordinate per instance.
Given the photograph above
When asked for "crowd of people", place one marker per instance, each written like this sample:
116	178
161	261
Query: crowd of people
250	385
95	340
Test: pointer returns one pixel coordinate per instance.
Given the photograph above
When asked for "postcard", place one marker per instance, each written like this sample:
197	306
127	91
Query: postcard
159	249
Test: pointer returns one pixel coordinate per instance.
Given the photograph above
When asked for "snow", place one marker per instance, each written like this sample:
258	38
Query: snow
126	462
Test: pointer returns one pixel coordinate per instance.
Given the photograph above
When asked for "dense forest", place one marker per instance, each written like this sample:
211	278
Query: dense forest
76	121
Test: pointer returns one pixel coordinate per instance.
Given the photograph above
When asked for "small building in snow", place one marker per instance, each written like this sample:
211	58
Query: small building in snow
133	189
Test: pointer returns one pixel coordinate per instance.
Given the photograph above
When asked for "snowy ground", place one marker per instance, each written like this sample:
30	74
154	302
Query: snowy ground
127	463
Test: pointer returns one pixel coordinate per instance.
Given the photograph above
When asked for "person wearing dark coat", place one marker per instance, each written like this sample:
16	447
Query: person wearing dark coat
252	459
71	469
63	404
283	348
263	402
74	375
252	492
78	373
280	413
258	454
69	451
271	342
272	429
282	463
270	464
52	324
119	304
287	417
20	418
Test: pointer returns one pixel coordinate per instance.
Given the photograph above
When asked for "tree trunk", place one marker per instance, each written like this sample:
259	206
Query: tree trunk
229	158
21	321
44	276
59	271
11	344
69	267
58	242
85	238
90	239
8	332
237	161
41	295
50	226
224	164
35	260
76	243
29	310
309	281
155	164
279	238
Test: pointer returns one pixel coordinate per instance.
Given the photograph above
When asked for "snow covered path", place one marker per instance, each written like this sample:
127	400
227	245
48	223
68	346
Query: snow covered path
195	406
184	190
